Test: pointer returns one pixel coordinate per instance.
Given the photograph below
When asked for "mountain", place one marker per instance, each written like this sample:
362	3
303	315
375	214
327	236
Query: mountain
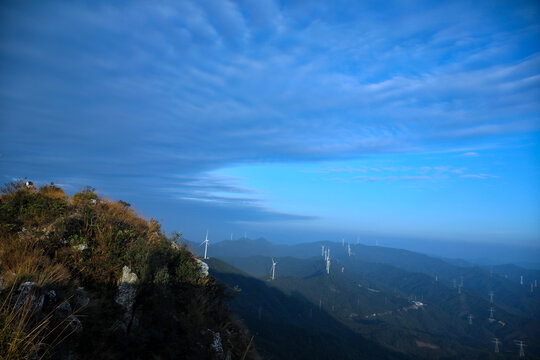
364	292
85	278
291	327
507	293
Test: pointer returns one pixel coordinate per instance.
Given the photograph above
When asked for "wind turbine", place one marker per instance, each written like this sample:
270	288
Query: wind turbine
328	262
205	242
274	262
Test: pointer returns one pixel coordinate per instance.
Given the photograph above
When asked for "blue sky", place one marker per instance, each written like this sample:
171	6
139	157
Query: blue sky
292	120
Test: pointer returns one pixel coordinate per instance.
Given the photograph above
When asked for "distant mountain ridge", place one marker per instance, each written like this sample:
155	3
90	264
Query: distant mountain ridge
373	280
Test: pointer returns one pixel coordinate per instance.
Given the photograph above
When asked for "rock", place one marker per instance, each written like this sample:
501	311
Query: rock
204	267
63	310
127	291
80	247
80	297
175	246
74	324
216	345
26	290
50	300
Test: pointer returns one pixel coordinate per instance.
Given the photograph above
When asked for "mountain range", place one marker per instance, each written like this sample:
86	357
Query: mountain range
376	301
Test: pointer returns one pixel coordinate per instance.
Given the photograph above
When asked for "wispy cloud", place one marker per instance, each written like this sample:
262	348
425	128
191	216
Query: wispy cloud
477	176
143	90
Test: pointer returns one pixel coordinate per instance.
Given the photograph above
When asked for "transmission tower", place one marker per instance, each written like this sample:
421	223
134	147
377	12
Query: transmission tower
521	345
491	297
470	319
491	310
497	342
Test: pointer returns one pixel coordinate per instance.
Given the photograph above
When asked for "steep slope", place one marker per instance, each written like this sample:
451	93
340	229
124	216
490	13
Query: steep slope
291	327
374	299
84	277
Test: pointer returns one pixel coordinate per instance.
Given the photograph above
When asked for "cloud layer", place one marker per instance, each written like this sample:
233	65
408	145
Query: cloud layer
163	93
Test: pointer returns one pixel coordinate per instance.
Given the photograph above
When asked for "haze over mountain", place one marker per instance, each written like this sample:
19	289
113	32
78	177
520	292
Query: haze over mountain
408	303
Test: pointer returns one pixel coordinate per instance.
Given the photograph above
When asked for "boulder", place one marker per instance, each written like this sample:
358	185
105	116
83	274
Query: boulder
203	266
127	288
27	292
127	291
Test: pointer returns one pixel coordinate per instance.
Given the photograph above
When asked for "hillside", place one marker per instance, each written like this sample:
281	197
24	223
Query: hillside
373	297
290	326
84	277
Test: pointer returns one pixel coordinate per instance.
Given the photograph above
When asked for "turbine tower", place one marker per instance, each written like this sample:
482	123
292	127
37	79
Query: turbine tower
328	262
497	342
349	249
274	262
470	319
205	242
491	297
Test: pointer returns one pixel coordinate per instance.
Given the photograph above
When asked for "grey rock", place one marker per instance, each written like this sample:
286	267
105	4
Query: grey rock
80	247
63	310
80	297
75	324
203	267
127	292
27	293
216	345
127	289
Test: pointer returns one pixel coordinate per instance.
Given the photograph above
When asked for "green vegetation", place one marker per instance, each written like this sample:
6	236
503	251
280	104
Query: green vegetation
71	252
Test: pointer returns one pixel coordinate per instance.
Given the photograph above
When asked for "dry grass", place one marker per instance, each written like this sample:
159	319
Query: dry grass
21	260
53	192
20	334
25	334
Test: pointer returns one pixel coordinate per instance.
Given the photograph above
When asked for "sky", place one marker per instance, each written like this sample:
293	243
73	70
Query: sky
291	120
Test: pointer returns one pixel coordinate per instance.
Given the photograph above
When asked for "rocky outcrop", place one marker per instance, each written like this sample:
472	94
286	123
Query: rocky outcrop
127	288
27	292
203	266
127	292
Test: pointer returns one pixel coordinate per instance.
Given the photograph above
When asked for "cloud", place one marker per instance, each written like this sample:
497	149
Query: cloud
142	91
471	154
477	176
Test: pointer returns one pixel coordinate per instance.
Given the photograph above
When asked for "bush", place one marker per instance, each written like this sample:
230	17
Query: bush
64	242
